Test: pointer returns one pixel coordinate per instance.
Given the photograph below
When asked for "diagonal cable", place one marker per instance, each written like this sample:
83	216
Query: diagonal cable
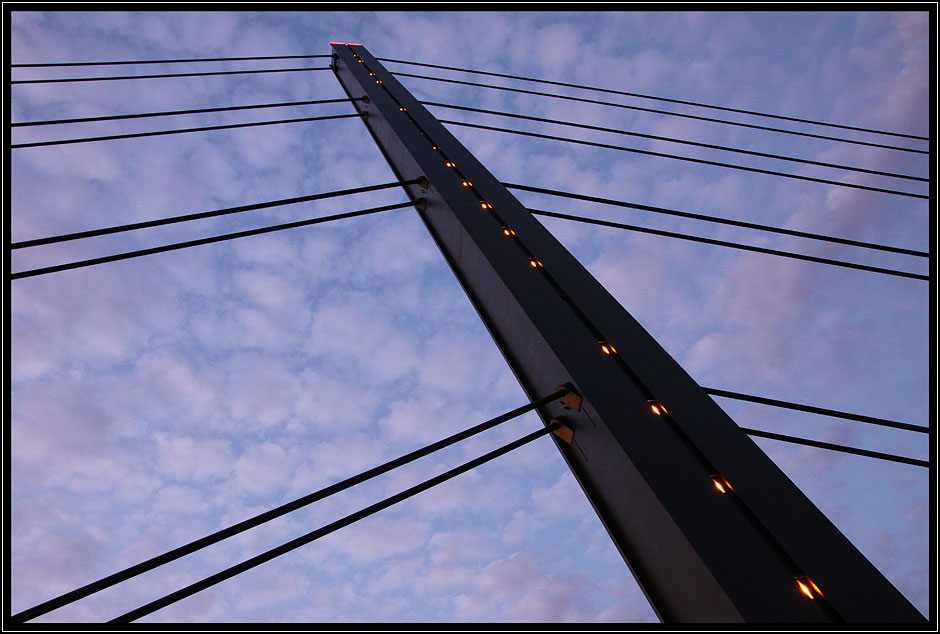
123	77
665	112
834	447
257	560
168	113
167	61
654	137
192	243
666	99
266	516
136	135
734	245
689	159
204	214
817	410
725	221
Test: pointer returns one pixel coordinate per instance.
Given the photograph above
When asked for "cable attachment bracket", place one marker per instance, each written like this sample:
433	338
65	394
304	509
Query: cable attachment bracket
571	399
563	430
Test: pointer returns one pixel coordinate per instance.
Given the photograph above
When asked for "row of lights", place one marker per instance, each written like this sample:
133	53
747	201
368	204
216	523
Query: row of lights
804	583
659	409
506	230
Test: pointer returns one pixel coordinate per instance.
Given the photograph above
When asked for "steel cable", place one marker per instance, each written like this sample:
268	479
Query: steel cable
192	243
261	518
665	99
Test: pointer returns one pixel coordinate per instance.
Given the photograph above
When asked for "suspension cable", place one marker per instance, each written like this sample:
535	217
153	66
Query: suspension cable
116	78
682	141
257	560
266	516
817	410
666	99
193	243
204	214
725	221
833	447
136	135
665	112
167	61
734	245
168	113
687	158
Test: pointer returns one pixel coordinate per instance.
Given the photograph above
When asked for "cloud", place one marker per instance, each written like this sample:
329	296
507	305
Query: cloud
155	400
70	556
187	458
517	588
263	469
179	500
358	542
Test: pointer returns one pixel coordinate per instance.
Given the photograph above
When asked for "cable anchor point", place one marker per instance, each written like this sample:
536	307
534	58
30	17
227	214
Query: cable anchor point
563	430
571	399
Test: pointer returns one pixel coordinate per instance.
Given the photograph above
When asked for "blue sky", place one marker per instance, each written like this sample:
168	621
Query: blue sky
159	399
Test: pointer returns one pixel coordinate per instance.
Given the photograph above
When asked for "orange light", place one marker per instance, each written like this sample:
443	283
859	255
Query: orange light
804	589
657	407
402	109
360	61
607	347
371	74
433	147
534	263
508	232
485	205
450	164
721	484
807	587
466	183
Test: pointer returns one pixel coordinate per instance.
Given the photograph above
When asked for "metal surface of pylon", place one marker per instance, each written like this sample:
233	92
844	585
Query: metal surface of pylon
711	528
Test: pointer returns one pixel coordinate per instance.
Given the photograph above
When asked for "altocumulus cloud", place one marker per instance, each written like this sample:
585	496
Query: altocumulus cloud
159	399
